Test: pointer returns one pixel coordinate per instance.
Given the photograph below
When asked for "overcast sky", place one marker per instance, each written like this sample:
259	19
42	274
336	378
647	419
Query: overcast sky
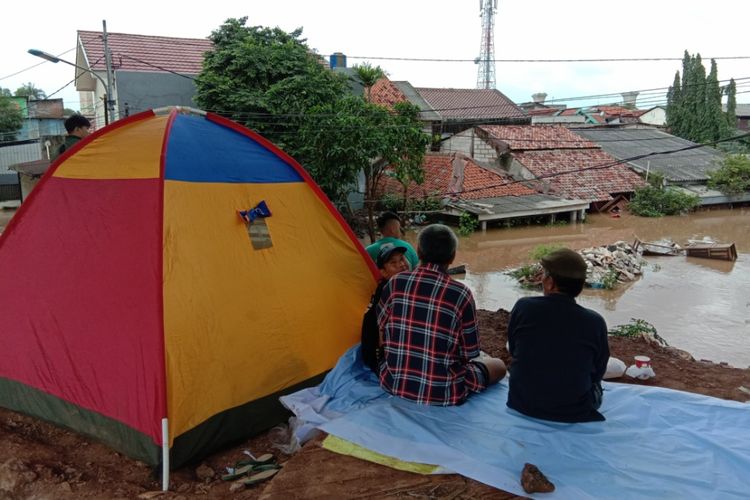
434	29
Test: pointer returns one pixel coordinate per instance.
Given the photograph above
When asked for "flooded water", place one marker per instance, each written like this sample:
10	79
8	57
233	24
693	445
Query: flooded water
699	305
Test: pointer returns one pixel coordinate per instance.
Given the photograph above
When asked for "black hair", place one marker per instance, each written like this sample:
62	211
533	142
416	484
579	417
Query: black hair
76	120
385	217
437	244
571	287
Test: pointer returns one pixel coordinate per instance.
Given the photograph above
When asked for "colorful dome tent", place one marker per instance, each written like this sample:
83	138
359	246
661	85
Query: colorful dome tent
131	291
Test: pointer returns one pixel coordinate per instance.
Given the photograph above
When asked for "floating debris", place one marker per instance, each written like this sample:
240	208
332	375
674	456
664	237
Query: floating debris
608	265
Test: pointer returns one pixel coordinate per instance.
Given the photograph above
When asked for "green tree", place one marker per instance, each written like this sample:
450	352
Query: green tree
409	144
11	118
733	177
244	77
31	91
694	109
731	91
350	135
5	92
272	81
674	106
368	75
340	139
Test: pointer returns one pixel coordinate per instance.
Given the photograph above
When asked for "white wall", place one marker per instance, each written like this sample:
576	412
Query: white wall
656	116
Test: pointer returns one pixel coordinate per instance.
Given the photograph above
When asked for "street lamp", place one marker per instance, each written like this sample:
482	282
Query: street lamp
51	58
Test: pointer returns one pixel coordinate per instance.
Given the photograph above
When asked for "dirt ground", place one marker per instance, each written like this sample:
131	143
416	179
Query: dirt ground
41	461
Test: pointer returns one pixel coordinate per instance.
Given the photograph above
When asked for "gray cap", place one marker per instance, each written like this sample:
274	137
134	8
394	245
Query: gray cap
385	252
565	263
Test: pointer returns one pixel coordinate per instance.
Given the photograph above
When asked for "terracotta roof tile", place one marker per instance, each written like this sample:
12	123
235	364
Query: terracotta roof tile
535	137
385	93
542	111
470	103
146	53
592	185
478	182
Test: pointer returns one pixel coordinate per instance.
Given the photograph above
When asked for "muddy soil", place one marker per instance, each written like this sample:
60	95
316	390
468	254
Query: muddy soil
41	461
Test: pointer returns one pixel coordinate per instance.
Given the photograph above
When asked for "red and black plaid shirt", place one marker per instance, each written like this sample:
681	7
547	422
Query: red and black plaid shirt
429	328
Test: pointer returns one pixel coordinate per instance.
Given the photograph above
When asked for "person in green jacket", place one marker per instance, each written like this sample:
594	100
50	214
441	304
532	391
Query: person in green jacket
77	127
389	225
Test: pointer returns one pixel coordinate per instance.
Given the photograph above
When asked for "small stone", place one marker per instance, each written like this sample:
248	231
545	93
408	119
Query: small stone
236	486
65	487
533	481
183	488
204	473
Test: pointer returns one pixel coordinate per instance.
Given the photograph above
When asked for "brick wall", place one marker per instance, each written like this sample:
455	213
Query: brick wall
462	142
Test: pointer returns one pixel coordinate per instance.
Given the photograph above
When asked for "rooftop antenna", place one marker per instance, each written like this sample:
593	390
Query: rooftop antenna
486	59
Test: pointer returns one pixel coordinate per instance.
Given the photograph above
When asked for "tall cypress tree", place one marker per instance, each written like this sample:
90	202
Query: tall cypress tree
694	109
715	125
674	106
731	91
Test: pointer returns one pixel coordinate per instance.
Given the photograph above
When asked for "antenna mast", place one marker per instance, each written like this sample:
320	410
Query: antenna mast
486	59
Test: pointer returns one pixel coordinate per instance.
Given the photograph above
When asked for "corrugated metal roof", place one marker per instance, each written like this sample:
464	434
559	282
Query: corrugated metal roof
516	206
466	104
692	165
146	53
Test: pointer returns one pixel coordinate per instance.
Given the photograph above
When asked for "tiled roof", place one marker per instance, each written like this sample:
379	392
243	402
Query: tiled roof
541	111
478	182
533	137
146	53
385	93
610	111
470	103
592	185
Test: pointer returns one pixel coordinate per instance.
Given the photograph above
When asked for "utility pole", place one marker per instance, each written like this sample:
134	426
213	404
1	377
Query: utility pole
486	59
110	77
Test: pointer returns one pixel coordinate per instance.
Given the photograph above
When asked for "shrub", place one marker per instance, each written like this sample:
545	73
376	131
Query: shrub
467	223
733	177
637	328
654	202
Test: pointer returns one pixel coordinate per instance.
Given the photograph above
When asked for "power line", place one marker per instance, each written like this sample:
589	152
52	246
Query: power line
34	65
155	66
574	60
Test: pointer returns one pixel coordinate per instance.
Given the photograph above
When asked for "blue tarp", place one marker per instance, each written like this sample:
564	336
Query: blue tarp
655	443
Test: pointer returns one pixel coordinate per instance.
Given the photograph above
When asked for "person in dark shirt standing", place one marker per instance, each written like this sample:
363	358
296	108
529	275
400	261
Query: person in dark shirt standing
430	336
77	127
559	348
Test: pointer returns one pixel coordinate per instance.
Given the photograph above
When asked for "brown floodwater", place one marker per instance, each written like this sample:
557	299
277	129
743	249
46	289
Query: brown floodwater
699	305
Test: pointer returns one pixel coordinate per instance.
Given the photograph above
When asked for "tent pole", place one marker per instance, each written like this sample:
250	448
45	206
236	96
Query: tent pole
164	454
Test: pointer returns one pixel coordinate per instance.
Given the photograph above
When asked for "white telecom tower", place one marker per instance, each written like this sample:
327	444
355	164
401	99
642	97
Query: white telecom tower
486	59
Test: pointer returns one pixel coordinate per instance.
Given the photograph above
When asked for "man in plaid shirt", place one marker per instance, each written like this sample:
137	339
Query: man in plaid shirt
428	322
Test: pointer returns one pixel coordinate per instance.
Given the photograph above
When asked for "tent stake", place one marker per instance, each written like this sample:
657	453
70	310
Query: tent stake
164	454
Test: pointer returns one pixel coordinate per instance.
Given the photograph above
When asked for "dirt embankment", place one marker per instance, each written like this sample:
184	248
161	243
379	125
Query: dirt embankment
41	461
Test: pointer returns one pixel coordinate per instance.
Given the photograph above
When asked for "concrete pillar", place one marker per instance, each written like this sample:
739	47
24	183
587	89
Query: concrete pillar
551	218
573	216
583	214
484	226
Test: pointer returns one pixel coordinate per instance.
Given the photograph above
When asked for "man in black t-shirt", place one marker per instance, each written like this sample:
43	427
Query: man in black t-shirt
559	348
